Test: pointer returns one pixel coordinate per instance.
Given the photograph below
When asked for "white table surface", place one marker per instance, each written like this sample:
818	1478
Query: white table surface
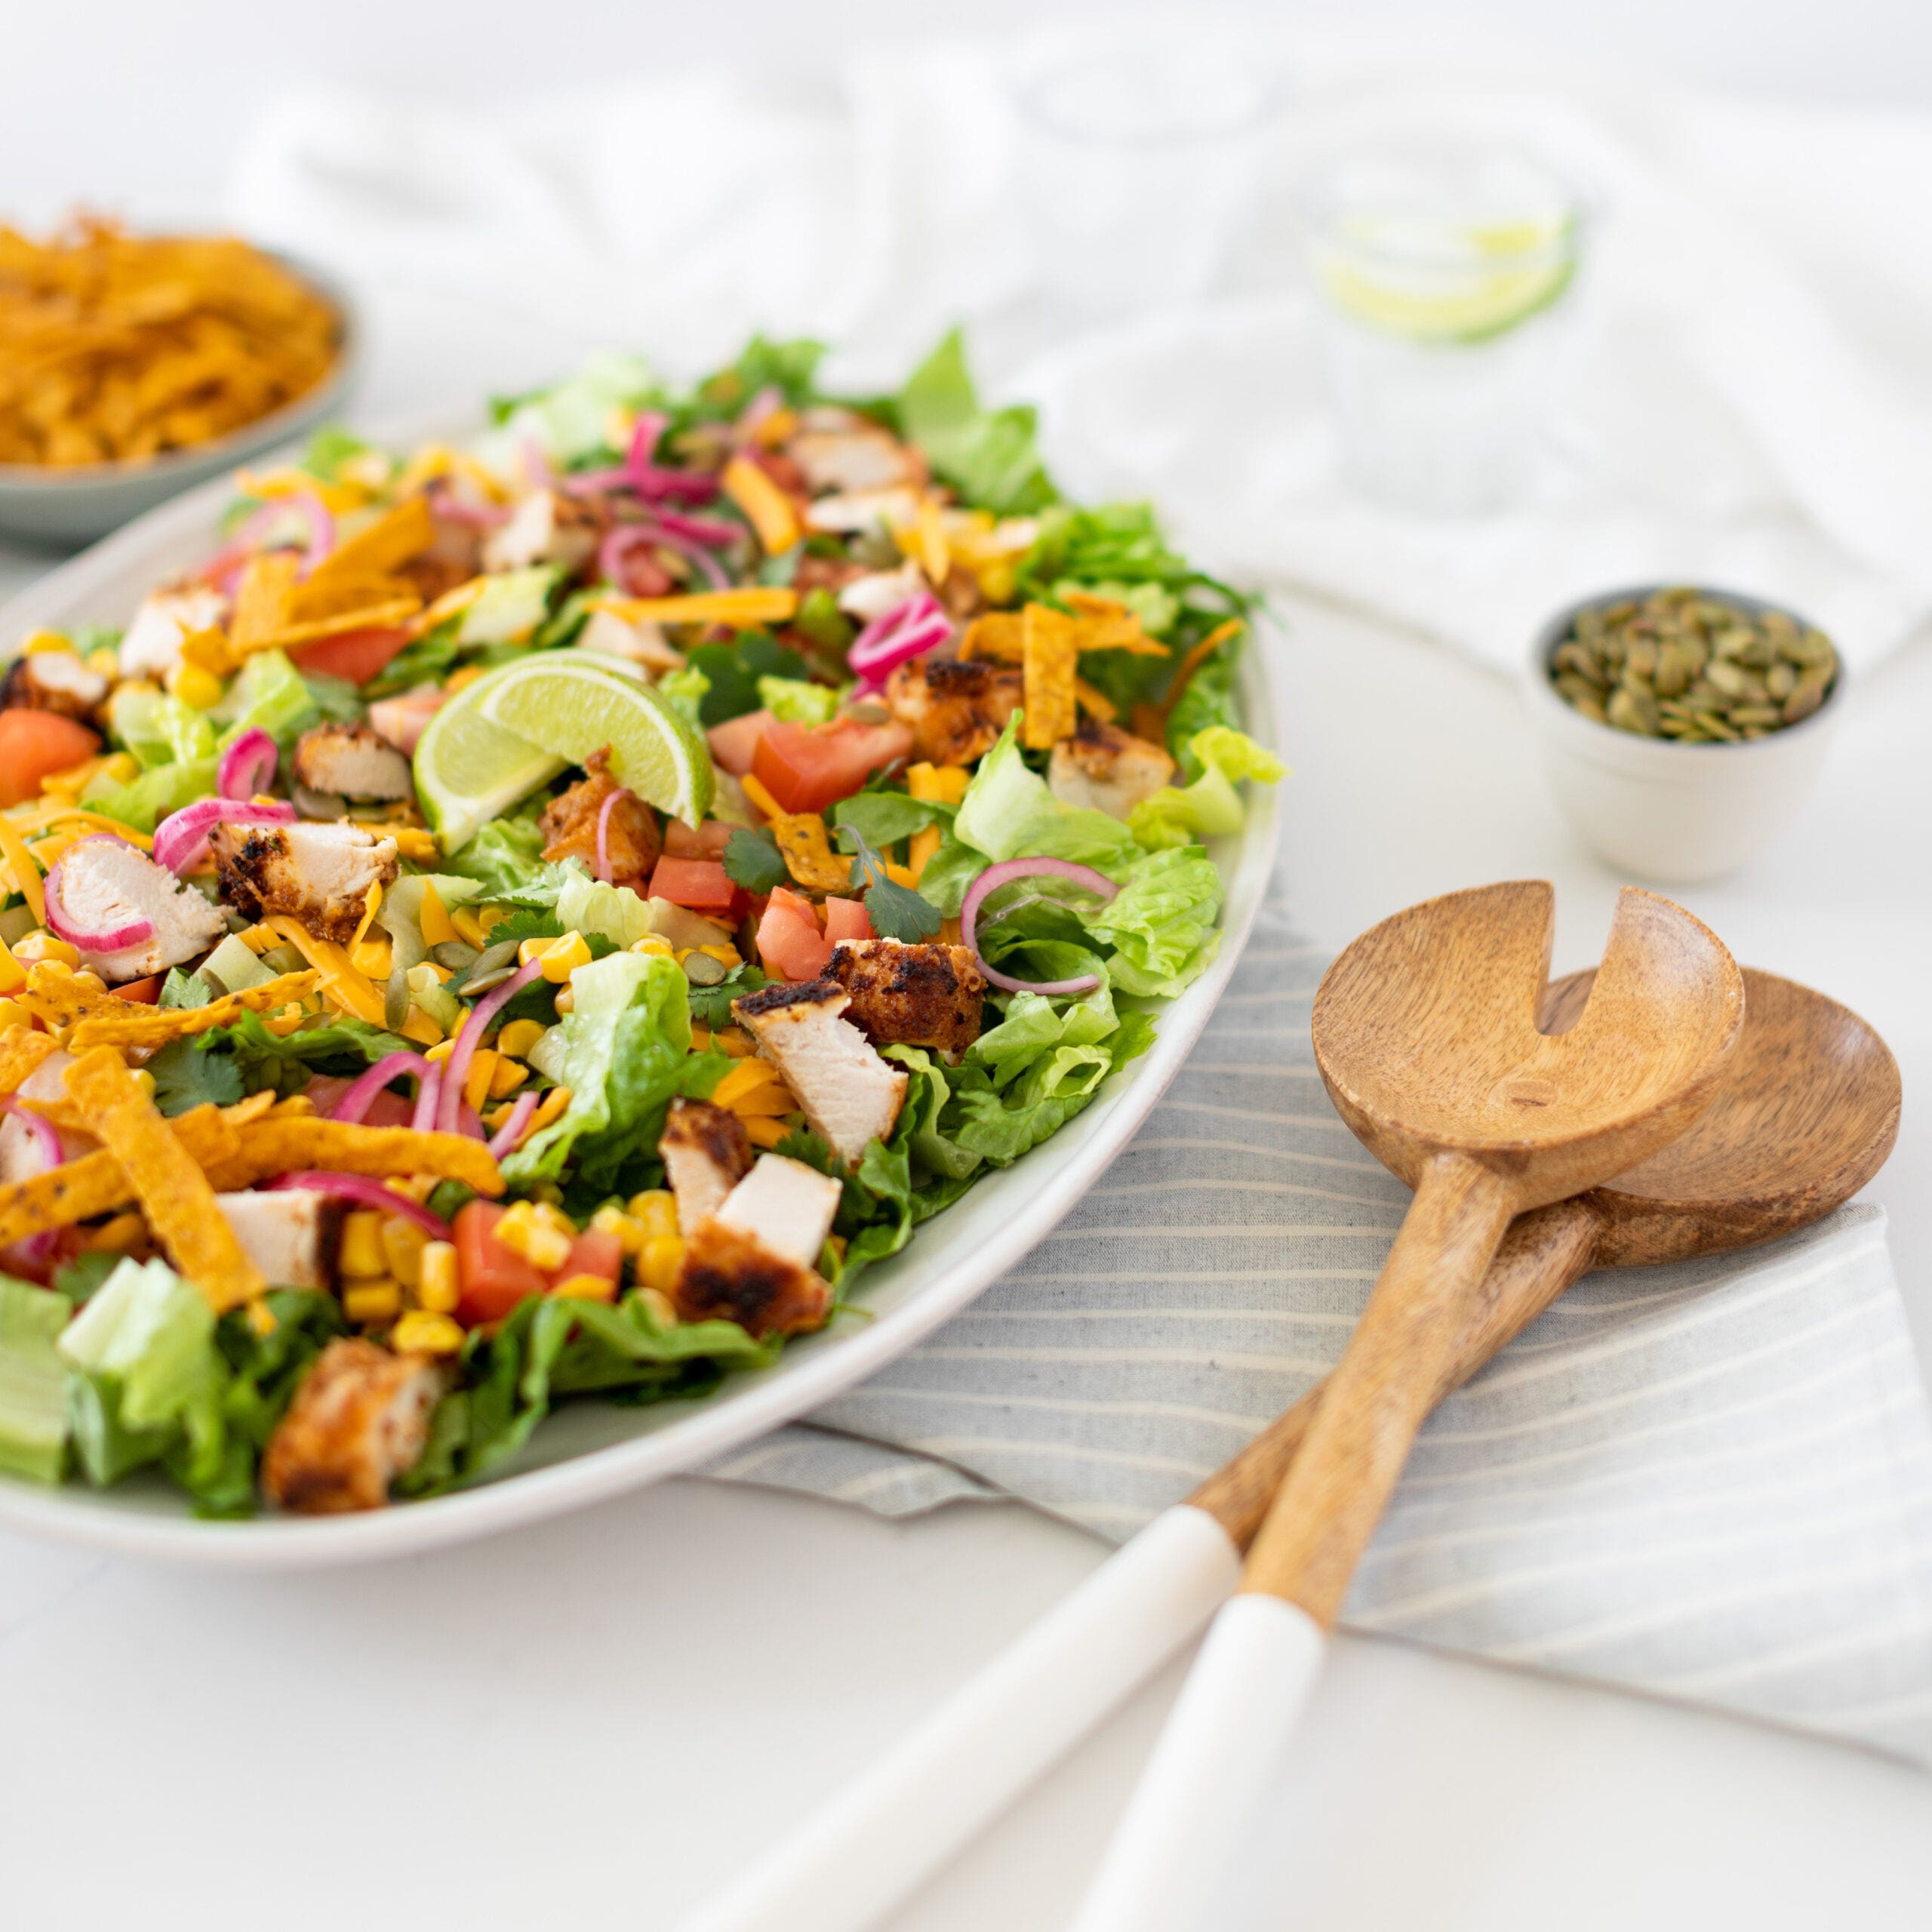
588	1722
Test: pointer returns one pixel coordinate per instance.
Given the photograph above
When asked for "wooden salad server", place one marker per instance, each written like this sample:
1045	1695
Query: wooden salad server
1426	1034
1804	1115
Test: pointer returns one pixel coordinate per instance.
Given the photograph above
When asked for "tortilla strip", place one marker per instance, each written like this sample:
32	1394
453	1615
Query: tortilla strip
20	1052
279	1145
155	1025
1097	703
372	616
1106	624
260	600
173	1191
56	998
380	549
1049	653
1191	664
995	635
96	1183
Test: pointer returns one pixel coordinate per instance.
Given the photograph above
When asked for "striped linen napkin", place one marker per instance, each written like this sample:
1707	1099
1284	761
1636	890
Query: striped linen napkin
1711	1481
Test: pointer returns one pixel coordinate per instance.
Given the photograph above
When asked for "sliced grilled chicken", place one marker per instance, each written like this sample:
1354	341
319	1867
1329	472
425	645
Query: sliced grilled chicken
358	1420
925	995
53	680
318	875
1104	766
355	761
849	1094
706	1153
106	884
956	709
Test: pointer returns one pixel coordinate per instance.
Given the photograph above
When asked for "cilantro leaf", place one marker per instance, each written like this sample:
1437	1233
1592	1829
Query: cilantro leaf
711	1006
186	1076
753	860
896	911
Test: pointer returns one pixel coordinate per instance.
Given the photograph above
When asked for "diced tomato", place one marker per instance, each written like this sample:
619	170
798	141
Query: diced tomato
356	655
807	767
734	743
643	575
847	918
703	885
388	1109
402	720
707	841
144	993
33	743
788	939
491	1279
594	1253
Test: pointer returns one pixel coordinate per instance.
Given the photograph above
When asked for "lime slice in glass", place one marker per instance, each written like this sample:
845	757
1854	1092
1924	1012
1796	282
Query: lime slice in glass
571	706
1466	286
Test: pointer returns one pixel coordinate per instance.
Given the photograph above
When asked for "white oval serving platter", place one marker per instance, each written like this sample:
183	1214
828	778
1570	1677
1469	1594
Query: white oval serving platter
586	1451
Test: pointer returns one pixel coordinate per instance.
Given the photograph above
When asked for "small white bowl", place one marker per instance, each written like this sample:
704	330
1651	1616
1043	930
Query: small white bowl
64	507
1676	813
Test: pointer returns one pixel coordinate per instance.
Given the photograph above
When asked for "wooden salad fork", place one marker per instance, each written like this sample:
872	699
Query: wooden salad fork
1427	1033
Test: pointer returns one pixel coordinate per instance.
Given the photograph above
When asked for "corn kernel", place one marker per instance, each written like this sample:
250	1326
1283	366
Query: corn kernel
39	948
631	1233
88	978
586	1287
506	1076
540	1233
12	974
13	1015
361	1250
566	1001
199	690
403	1244
562	957
653	944
437	1288
655	1211
125	1231
727	956
368	1302
424	1332
373	957
517	1038
440	1052
39	640
144	1080
104	663
658	1306
657	1265
207	651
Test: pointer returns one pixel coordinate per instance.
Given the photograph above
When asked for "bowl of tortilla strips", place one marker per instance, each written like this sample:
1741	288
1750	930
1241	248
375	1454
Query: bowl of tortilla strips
132	366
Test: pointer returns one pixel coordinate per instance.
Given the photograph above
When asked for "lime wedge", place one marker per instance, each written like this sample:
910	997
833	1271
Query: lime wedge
469	771
1482	283
571	706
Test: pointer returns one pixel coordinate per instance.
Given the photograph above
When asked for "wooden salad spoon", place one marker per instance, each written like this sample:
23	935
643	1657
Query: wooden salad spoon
850	1861
1425	1031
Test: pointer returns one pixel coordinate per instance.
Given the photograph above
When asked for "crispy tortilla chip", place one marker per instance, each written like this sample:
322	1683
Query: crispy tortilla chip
1106	624
97	1183
379	550
372	616
20	1052
60	1001
280	1145
1049	649
996	635
261	600
1096	704
172	1190
1189	664
809	855
137	1025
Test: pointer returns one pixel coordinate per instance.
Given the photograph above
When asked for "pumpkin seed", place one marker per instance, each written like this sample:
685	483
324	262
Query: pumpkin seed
1692	668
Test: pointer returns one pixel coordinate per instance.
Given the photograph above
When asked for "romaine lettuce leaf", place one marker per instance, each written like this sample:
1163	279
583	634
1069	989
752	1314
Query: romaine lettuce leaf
797	700
989	455
1210	807
1161	923
1008	813
33	1381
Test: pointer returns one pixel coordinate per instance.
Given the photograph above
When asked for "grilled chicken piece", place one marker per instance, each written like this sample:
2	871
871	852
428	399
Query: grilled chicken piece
873	511
848	1093
291	1234
911	995
957	710
455	554
318	875
706	1153
53	680
643	643
728	1275
1104	766
839	450
752	1261
106	884
877	592
546	528
631	838
356	1423
151	647
355	761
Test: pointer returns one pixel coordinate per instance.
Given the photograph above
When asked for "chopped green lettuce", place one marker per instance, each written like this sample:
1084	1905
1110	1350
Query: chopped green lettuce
33	1381
268	694
513	603
571	420
990	456
797	701
1210	807
1161	923
685	692
159	730
150	797
1008	813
